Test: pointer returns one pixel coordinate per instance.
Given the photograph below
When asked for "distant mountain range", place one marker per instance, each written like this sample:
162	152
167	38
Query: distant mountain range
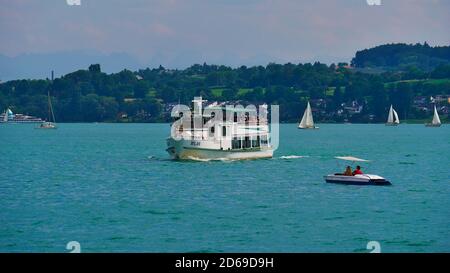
38	66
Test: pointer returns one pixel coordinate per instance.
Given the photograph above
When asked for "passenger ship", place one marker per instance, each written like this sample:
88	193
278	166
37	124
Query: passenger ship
238	134
9	117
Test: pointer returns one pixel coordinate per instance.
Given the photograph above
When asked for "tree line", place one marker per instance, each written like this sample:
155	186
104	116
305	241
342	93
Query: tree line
146	95
403	56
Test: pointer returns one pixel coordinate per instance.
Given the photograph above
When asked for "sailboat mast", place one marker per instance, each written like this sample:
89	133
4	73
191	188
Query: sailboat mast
48	103
50	108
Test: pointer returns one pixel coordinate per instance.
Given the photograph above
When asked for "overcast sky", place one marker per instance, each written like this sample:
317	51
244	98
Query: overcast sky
176	32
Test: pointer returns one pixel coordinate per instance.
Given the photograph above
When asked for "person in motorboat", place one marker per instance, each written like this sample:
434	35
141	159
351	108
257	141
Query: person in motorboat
357	170
348	171
357	177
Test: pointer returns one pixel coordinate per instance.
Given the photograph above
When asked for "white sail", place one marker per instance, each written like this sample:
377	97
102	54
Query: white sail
436	119
307	119
396	119
391	115
393	119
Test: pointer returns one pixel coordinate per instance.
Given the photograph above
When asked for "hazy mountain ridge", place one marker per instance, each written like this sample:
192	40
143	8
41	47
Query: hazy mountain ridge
39	65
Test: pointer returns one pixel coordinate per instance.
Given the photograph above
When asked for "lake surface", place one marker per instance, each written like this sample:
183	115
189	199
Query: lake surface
112	188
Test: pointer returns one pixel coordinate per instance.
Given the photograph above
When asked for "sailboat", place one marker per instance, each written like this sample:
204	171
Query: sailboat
436	122
307	121
393	119
51	123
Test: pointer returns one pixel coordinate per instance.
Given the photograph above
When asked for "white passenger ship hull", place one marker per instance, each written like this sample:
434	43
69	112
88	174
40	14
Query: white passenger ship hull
191	150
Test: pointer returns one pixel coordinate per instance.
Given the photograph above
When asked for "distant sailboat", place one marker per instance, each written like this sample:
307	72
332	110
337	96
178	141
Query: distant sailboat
307	121
51	123
393	119
436	122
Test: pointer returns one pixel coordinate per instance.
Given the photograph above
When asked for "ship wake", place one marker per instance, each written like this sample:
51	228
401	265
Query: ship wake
293	156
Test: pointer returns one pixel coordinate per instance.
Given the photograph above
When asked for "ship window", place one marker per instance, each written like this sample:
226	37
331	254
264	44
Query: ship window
235	117
247	142
212	129
236	143
224	131
255	142
264	140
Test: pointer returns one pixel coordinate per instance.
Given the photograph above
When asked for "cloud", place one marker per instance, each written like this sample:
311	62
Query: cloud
234	32
161	29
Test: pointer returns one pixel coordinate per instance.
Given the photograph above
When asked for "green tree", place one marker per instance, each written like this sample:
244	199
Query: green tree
95	68
141	89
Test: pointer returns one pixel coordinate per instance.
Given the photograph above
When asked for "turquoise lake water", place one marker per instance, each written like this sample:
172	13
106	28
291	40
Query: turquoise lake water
112	188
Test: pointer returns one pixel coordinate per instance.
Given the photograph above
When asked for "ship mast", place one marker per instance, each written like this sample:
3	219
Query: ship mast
50	108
